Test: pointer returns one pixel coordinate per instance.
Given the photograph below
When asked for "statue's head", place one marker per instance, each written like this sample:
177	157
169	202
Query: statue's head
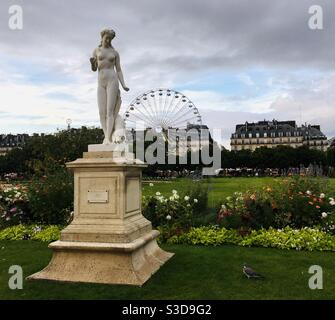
107	35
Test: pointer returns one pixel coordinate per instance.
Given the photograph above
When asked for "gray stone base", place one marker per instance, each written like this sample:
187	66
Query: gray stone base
109	263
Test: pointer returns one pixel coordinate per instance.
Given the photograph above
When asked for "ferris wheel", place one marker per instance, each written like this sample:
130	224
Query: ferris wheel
162	109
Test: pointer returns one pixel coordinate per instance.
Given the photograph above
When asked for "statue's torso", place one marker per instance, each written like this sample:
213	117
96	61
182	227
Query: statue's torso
106	58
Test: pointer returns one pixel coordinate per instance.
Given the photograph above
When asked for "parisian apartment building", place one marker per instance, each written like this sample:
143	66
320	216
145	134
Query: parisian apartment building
10	141
249	136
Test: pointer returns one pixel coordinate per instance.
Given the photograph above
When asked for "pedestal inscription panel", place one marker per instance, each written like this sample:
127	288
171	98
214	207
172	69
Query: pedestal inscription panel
97	195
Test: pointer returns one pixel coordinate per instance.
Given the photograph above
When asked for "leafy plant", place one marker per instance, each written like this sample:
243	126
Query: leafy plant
31	232
304	239
51	199
178	211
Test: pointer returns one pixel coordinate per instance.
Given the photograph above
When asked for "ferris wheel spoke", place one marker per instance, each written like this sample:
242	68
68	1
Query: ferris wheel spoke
142	119
153	109
180	116
171	105
173	121
175	107
152	117
165	101
157	110
182	108
139	101
145	116
133	121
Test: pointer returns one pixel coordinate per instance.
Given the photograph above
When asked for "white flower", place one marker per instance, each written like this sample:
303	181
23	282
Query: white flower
332	203
186	198
195	200
171	198
324	215
158	193
176	196
37	229
188	205
151	184
308	192
322	196
174	191
331	199
168	217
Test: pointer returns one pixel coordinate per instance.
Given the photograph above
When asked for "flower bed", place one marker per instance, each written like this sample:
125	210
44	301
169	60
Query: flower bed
177	212
13	205
47	200
297	202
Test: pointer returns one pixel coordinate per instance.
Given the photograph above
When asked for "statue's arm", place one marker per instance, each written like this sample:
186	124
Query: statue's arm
94	61
119	72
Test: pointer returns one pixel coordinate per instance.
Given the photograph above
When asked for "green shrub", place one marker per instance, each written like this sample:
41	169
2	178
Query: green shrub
47	233
19	232
177	212
33	232
51	199
287	238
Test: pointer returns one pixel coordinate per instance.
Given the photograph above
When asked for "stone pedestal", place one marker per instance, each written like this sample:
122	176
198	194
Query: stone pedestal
109	240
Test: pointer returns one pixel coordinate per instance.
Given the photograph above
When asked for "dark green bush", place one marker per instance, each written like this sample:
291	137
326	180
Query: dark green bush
51	198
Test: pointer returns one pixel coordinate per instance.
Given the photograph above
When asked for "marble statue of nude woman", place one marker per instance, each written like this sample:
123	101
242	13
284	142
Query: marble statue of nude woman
106	60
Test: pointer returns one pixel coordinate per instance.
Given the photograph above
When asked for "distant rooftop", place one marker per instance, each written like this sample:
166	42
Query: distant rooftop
275	127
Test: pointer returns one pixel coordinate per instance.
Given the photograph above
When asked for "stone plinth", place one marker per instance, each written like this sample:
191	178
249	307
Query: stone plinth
109	240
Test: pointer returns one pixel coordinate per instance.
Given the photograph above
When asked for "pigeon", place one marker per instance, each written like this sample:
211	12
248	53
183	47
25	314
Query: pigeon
250	273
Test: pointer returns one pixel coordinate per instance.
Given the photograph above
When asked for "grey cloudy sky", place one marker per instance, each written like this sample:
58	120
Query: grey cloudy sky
237	60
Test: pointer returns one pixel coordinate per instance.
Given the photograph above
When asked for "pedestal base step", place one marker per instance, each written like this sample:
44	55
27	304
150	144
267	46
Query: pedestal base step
109	263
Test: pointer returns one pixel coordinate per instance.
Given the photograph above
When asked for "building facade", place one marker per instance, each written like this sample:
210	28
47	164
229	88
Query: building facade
10	141
270	134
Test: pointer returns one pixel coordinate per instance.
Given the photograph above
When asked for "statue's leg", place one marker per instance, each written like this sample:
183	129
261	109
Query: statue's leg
112	96
102	104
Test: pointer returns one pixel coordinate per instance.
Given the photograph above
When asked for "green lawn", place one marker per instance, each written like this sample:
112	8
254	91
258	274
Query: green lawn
193	273
218	188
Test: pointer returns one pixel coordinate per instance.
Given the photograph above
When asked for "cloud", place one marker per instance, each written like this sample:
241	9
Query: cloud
235	59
